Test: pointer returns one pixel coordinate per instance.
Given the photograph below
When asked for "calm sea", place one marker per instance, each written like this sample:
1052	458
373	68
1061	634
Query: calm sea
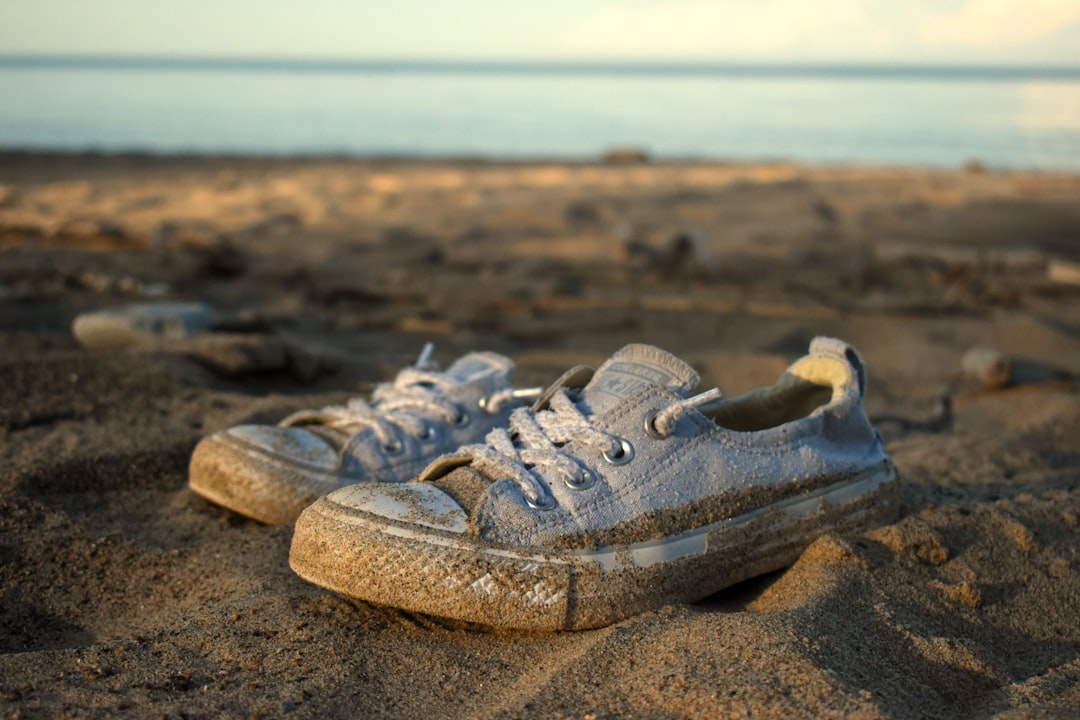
914	116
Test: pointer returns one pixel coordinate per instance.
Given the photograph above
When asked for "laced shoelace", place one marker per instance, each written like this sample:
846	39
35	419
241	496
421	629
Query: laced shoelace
534	442
417	395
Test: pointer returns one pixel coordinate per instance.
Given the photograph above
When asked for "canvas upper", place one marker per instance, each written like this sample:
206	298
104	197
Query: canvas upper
717	459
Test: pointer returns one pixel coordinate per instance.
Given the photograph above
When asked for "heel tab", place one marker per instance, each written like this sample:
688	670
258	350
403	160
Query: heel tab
832	347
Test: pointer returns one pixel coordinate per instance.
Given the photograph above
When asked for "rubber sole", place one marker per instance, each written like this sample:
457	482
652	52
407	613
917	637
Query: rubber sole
453	575
254	483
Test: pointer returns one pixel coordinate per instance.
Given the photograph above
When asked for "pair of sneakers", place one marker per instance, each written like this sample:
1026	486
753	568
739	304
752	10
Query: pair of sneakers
614	492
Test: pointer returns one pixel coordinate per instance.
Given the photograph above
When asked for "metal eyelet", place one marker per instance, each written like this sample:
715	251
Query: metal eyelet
461	419
429	434
484	404
586	482
650	427
549	504
625	454
394	448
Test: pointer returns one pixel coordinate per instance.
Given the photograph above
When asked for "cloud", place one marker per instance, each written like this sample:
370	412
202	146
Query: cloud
999	22
731	28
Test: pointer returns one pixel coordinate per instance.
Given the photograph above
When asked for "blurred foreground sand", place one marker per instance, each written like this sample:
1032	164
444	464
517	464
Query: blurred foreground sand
122	593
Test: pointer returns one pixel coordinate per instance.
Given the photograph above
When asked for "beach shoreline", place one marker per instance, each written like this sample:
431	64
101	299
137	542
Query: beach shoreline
122	593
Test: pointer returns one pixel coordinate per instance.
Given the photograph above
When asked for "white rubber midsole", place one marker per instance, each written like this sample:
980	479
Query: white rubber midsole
687	544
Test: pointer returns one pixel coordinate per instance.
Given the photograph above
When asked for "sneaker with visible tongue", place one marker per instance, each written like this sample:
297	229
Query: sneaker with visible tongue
271	473
619	491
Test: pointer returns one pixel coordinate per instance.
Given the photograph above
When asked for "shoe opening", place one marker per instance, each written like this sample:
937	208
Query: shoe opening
809	384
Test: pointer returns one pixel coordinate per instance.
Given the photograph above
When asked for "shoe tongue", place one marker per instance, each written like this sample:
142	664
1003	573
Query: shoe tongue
631	370
478	365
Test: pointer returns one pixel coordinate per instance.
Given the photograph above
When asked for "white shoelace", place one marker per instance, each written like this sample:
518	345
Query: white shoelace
416	396
534	440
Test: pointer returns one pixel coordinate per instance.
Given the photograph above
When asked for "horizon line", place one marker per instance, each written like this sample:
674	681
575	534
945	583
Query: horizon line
545	66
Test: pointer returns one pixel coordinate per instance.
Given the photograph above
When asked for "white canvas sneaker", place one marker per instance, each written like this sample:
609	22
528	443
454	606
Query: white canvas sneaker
604	502
271	473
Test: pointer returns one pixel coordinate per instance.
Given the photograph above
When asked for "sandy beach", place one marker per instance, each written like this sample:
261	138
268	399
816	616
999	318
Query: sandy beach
124	594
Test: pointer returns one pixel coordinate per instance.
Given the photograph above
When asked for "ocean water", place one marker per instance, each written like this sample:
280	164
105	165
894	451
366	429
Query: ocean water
916	117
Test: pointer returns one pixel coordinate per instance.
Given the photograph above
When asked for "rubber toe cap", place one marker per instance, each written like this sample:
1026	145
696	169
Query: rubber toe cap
292	445
412	503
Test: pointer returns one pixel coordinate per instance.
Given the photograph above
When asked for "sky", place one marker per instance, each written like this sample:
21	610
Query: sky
979	32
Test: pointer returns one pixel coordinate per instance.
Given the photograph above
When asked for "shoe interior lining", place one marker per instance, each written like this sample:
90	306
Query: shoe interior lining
806	386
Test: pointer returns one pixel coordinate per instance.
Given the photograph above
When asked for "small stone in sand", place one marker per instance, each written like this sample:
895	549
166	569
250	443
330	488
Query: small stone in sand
988	366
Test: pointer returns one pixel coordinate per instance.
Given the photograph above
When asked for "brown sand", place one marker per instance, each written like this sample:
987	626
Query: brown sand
121	593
